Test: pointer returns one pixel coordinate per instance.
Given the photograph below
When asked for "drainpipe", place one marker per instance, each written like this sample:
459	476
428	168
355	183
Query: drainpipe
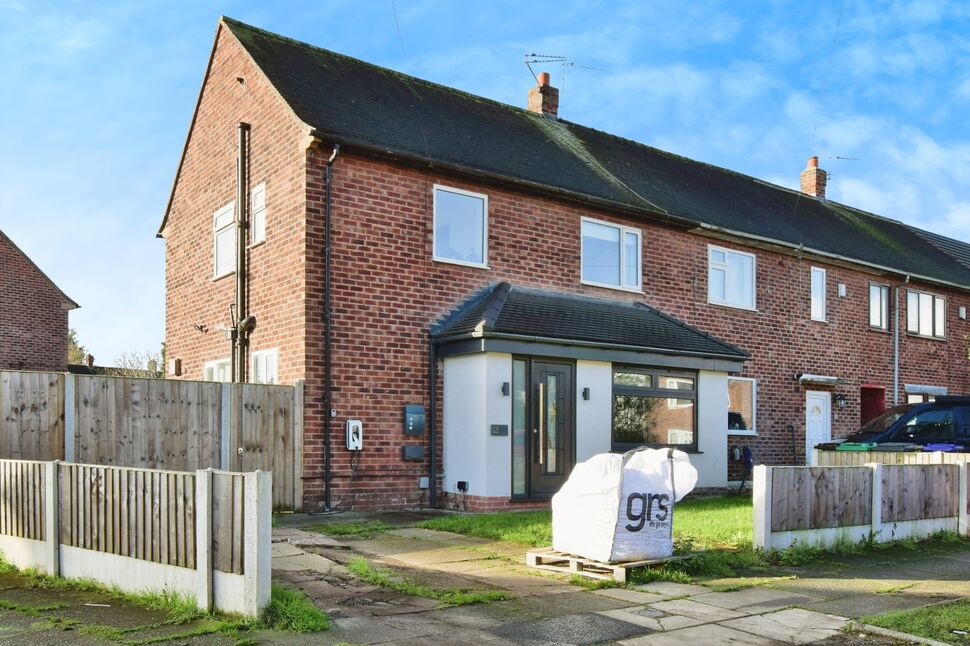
896	343
327	316
432	418
242	322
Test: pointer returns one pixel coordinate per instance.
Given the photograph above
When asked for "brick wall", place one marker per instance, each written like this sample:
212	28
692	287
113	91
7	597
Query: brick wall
387	291
33	316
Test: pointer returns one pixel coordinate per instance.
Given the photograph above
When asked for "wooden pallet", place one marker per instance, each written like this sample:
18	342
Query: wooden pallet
549	559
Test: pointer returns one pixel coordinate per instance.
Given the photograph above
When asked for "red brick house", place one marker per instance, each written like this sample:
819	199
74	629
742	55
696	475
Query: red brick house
33	314
507	292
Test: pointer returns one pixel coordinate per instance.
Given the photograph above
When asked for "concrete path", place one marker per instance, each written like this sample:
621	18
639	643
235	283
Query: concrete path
544	609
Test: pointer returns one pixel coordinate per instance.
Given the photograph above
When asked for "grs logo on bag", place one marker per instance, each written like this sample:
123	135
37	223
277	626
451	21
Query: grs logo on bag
646	510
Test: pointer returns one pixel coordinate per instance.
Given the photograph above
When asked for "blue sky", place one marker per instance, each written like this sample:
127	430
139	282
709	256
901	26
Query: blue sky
98	97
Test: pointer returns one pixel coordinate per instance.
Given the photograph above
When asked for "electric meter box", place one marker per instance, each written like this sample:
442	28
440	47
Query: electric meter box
414	419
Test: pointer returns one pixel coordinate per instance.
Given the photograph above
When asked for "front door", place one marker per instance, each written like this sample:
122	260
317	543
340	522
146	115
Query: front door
818	421
552	450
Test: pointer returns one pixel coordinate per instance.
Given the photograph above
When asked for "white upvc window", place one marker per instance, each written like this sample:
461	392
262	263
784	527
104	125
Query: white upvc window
610	255
925	314
264	367
224	240
742	406
818	294
257	216
218	370
460	227
730	278
879	306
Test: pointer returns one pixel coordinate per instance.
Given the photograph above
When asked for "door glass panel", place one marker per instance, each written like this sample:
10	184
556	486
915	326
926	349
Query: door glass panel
551	414
519	433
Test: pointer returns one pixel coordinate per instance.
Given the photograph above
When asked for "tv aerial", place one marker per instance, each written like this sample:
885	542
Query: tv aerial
562	61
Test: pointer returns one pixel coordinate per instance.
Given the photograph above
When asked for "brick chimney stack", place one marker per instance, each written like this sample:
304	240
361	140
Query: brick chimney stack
543	98
814	179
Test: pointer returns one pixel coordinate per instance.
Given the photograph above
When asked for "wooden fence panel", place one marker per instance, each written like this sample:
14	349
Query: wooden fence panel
860	458
228	509
148	423
147	515
31	415
265	431
914	492
820	497
22	499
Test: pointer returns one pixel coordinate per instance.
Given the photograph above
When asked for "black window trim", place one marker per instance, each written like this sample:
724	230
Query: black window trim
669	393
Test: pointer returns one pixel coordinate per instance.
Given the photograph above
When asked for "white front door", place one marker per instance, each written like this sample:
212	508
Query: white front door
818	421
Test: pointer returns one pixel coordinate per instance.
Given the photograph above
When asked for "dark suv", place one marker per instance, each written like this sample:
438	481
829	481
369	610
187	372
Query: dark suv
944	421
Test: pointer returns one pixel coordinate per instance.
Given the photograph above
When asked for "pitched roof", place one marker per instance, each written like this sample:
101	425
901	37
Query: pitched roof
67	300
359	104
504	309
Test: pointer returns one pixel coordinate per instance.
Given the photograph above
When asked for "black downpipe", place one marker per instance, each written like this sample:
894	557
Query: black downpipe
327	317
432	418
240	323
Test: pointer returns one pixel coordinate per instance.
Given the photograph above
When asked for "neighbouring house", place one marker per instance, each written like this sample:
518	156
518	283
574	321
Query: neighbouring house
33	314
507	292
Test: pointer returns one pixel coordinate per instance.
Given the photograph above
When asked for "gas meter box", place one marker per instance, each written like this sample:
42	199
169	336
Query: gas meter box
616	508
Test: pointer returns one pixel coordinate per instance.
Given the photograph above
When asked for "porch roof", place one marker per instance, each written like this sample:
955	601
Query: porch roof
528	316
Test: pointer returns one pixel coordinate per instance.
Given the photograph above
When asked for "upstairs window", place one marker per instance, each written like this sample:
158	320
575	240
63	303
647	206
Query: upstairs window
610	255
224	241
730	278
818	294
257	216
264	367
925	314
879	306
460	227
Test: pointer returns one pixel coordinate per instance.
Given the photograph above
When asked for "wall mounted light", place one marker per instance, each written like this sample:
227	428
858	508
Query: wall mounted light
586	394
841	401
506	389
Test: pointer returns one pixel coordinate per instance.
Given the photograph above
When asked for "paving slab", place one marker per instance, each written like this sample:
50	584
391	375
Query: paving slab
304	561
864	605
633	596
696	610
792	626
704	634
651	618
754	600
670	589
570	629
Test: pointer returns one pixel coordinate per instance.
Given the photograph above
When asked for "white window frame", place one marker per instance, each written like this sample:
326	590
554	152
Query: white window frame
909	314
638	288
271	352
257	214
724	266
820	316
754	406
885	312
214	367
434	226
228	209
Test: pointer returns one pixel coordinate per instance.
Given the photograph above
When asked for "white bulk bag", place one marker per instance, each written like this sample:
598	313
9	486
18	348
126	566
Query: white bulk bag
616	508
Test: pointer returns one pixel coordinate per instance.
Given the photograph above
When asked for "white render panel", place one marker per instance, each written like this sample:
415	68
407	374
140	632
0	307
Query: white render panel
712	406
463	435
498	448
594	418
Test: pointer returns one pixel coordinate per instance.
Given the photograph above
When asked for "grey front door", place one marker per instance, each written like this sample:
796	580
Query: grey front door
553	446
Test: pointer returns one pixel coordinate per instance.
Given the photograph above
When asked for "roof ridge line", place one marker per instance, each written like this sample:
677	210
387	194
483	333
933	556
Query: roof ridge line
496	301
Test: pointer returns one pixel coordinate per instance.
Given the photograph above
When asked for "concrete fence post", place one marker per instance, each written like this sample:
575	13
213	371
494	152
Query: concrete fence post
298	395
761	491
257	546
70	415
225	431
963	513
876	502
203	538
52	533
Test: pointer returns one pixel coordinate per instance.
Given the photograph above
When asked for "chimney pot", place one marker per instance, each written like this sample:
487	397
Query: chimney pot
813	179
543	98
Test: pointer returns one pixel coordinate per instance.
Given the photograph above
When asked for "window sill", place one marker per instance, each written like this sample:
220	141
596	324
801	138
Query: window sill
820	321
742	433
743	308
463	263
630	290
688	450
221	276
257	244
928	338
880	330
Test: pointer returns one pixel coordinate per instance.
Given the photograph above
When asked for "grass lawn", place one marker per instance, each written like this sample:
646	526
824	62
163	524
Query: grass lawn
702	523
934	622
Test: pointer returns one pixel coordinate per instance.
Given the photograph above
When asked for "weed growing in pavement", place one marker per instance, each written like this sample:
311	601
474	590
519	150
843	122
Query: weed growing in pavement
448	597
